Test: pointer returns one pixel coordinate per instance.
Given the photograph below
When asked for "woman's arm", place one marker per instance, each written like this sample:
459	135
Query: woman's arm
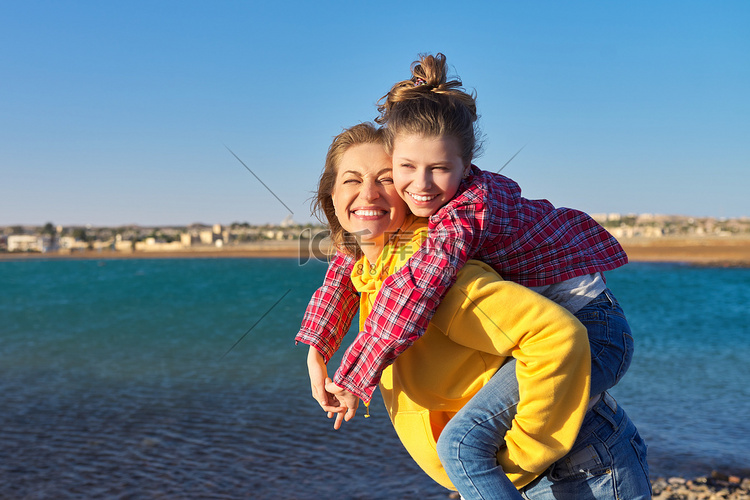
330	311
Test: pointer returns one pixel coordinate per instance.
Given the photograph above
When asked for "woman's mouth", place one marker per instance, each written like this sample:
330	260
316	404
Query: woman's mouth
368	213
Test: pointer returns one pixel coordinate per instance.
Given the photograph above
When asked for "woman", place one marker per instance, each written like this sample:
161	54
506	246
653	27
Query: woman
465	345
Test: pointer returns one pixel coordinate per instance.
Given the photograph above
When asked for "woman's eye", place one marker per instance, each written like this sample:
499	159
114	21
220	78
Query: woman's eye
386	180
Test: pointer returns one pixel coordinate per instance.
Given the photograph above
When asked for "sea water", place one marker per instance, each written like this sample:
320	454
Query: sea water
179	378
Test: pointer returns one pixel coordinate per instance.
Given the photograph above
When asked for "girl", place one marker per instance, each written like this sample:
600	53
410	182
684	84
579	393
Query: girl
558	252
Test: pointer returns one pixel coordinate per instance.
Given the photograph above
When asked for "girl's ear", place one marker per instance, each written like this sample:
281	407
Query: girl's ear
467	170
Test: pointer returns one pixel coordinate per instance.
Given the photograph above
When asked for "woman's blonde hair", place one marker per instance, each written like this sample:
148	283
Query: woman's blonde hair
430	105
322	203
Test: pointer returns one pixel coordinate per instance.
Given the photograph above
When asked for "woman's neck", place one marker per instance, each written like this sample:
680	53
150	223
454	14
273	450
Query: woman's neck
372	248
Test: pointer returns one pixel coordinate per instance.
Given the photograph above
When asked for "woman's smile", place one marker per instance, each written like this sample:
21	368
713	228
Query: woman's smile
369	213
365	198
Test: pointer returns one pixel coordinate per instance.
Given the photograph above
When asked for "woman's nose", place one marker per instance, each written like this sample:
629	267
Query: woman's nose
369	190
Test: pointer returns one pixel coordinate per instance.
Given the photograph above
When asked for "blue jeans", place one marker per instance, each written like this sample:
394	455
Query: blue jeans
469	443
610	339
608	460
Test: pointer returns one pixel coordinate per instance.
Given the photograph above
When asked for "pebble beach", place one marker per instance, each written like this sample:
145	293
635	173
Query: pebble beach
716	485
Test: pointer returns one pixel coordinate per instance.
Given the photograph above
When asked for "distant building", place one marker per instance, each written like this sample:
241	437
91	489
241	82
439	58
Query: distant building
29	243
288	221
206	236
186	239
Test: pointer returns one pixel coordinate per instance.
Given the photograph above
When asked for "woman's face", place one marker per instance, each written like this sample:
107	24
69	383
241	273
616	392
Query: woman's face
364	197
427	171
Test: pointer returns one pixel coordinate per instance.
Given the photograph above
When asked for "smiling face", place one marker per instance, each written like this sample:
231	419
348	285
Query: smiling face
365	198
427	171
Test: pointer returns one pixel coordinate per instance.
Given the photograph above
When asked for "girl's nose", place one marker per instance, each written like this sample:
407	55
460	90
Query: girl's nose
422	180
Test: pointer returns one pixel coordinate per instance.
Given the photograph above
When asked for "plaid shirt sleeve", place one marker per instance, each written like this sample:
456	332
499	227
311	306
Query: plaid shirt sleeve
329	314
408	299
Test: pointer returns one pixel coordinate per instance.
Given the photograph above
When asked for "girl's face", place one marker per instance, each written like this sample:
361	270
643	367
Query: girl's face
364	196
427	171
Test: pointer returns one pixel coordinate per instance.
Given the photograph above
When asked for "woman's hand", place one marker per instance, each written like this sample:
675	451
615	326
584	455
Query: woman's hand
348	403
316	368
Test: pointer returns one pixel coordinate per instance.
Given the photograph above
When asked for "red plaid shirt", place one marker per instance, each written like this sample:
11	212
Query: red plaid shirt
527	241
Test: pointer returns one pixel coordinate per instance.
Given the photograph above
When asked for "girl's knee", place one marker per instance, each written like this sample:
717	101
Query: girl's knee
447	443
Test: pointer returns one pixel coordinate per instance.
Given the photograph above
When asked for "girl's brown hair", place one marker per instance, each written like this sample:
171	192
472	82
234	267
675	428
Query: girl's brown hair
429	104
322	203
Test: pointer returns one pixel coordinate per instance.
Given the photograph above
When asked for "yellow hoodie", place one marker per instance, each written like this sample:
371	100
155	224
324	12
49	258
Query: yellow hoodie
480	323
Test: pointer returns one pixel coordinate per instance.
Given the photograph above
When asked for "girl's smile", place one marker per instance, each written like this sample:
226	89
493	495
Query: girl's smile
427	171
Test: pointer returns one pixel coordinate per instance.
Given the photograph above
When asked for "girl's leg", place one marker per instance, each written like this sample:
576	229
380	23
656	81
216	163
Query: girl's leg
608	461
469	444
610	339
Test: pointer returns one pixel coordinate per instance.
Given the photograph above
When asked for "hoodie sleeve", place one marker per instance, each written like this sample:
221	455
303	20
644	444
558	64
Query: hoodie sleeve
551	346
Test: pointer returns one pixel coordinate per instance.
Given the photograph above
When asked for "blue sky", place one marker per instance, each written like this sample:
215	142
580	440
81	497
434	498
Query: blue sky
121	112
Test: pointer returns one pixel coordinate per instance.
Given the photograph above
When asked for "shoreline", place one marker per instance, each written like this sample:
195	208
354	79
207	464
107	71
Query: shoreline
716	252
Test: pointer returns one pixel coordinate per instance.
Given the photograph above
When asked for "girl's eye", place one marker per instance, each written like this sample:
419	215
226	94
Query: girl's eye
406	165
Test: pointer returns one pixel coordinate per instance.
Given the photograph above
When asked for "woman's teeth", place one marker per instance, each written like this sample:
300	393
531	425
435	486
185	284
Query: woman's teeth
368	213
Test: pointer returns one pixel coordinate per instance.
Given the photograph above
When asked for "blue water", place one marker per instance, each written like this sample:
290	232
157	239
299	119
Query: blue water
180	379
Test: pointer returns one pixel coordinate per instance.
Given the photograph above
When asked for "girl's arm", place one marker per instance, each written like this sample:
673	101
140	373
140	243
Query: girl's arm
409	298
329	314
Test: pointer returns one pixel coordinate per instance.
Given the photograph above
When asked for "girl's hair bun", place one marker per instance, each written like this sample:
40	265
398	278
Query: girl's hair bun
429	75
430	104
431	70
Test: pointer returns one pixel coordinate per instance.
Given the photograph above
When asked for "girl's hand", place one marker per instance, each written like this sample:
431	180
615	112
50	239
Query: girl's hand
316	368
348	403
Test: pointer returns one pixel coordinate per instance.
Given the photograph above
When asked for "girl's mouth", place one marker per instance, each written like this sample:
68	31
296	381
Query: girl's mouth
421	198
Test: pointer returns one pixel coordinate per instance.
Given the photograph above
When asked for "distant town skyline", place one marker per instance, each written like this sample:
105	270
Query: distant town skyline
238	236
140	113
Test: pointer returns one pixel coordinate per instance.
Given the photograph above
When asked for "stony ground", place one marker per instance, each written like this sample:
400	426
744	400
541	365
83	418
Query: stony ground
714	487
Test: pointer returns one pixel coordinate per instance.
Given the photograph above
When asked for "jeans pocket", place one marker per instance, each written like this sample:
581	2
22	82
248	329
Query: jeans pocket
583	463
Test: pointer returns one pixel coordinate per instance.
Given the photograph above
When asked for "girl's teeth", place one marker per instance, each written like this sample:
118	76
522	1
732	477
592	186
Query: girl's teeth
421	198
